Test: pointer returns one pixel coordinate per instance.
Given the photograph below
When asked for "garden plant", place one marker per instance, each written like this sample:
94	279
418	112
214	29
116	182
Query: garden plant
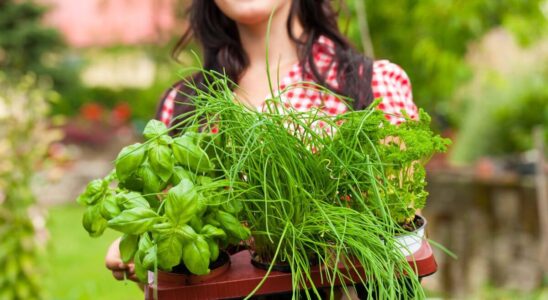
312	189
165	204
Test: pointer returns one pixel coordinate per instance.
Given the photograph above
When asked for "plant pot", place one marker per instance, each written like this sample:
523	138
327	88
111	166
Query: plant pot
264	265
180	275
283	267
410	243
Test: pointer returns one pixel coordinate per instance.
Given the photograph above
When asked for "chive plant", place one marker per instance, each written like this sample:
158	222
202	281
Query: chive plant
310	197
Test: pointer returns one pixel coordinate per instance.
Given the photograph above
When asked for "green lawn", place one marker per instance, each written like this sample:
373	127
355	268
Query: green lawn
75	261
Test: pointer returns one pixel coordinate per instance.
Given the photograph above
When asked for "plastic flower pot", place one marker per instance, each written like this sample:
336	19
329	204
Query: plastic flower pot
410	243
180	275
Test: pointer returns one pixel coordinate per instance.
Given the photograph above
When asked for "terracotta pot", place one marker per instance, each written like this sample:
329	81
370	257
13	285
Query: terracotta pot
410	243
181	276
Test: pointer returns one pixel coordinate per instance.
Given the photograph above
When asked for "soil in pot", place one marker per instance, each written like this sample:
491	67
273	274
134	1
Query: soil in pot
417	223
411	242
180	275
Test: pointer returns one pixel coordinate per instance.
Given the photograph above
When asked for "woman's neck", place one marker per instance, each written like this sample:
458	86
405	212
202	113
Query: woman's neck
282	50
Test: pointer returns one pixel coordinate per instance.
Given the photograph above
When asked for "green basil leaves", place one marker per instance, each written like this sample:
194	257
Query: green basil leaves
129	159
167	204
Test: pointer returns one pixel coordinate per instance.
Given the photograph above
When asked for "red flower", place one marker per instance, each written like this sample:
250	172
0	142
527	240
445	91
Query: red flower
91	111
121	113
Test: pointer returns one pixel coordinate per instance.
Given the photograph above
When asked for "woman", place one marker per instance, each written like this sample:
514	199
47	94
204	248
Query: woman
305	45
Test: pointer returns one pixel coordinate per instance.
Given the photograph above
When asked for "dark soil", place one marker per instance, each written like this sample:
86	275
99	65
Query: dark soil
414	225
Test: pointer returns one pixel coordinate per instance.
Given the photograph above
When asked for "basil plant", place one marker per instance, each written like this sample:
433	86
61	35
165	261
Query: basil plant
163	200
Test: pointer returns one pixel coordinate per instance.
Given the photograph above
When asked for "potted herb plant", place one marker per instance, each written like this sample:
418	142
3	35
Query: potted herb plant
315	198
387	176
164	198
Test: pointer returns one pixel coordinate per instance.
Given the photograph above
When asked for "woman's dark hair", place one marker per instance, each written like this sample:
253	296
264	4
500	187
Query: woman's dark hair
222	51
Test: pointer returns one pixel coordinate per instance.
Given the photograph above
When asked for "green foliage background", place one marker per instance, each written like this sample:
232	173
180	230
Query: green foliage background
429	39
27	46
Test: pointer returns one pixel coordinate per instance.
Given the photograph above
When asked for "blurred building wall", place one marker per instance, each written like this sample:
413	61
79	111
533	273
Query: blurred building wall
87	23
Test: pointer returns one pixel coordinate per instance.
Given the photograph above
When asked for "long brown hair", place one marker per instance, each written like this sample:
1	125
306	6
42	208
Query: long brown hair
222	51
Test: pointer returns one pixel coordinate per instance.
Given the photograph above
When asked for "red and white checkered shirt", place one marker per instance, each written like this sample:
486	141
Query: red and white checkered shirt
389	82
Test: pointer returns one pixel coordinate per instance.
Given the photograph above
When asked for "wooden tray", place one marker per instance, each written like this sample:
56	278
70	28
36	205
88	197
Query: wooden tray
242	278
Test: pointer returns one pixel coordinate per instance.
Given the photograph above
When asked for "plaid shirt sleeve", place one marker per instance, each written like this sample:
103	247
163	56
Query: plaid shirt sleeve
391	83
168	104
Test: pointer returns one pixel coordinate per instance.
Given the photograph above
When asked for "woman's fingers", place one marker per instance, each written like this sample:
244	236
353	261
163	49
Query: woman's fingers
119	275
133	277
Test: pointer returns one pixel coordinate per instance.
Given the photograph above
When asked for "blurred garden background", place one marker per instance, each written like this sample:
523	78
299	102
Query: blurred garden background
79	79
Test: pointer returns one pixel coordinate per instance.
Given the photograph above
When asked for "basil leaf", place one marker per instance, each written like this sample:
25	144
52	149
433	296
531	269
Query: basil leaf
204	180
213	250
214	202
150	258
196	256
144	244
109	207
140	271
161	160
233	206
165	140
95	190
210	231
133	183
151	183
129	159
162	228
169	251
93	222
189	154
181	202
179	173
153	201
131	200
134	221
128	247
186	233
196	223
210	218
201	205
83	199
153	129
232	226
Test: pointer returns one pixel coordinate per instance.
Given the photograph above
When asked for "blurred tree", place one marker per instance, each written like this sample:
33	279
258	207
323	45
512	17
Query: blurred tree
24	42
26	45
501	115
429	38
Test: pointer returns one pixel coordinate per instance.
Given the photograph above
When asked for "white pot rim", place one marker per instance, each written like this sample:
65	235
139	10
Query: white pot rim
410	243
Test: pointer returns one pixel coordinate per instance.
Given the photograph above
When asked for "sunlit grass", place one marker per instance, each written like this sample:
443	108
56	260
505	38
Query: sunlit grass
75	262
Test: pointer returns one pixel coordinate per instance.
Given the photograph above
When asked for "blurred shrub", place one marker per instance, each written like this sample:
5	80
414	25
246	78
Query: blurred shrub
24	140
429	38
515	121
27	46
500	115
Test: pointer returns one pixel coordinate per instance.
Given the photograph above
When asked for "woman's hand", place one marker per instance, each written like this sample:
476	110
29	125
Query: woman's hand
114	262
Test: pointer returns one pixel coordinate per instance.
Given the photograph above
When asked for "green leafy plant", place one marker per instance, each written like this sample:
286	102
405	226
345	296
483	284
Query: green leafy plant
307	194
165	203
310	196
380	165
